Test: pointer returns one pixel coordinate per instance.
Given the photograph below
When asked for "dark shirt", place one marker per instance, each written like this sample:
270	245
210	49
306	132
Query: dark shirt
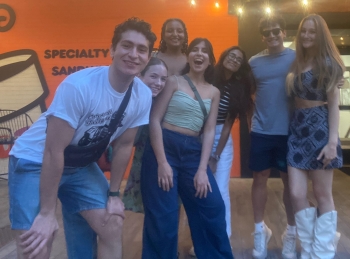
309	89
223	105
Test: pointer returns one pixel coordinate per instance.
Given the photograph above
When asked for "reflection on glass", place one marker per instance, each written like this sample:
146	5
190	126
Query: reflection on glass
345	91
344	101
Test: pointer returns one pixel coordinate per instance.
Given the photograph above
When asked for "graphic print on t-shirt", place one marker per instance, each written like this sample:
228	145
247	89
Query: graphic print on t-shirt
96	134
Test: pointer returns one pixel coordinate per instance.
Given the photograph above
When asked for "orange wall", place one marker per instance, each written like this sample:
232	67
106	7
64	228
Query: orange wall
88	24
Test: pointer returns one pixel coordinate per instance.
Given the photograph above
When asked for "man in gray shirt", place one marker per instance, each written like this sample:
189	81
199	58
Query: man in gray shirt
269	132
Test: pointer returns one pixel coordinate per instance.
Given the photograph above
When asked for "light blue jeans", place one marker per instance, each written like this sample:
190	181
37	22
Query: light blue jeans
80	189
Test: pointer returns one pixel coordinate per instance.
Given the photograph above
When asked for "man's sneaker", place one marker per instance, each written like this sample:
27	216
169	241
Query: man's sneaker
191	252
261	239
289	246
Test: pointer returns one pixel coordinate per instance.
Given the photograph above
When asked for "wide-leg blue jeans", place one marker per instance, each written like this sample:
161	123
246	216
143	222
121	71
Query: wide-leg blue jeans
206	216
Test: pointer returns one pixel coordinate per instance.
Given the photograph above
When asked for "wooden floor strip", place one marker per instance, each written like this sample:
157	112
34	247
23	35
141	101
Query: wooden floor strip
242	222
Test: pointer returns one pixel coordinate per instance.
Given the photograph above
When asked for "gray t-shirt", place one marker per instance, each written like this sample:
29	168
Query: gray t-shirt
271	114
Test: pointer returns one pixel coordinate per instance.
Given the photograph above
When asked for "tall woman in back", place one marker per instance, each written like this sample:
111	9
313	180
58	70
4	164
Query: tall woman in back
314	146
173	45
177	164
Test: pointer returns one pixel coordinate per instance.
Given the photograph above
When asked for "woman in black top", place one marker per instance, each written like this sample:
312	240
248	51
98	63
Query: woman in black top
234	79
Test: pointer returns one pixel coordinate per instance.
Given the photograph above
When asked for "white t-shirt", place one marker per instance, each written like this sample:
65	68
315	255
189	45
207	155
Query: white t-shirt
87	101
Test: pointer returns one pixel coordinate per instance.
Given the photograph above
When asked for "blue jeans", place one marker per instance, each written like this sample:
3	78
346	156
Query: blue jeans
80	189
206	216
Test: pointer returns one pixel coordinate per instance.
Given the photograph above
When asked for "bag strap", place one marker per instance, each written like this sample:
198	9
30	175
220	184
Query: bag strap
115	121
198	97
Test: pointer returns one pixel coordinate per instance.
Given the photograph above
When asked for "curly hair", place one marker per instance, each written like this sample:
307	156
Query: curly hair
134	24
241	85
162	43
209	71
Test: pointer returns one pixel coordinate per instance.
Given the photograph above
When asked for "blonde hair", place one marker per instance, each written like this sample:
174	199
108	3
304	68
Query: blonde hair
329	67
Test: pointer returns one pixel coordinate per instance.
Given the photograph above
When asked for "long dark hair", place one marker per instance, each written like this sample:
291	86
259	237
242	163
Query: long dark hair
241	85
162	45
209	71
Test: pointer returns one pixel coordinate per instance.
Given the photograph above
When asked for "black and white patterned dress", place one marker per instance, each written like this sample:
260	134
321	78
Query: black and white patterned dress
309	130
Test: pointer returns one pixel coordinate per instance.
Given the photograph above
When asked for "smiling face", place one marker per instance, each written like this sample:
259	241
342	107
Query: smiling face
273	36
174	35
131	54
155	78
233	60
198	57
308	34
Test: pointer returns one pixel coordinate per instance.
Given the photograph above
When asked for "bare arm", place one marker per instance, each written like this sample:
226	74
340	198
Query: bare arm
159	108
209	131
225	133
59	135
201	181
333	116
122	149
329	152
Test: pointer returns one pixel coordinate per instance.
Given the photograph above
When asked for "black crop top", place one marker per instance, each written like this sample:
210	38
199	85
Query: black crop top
309	90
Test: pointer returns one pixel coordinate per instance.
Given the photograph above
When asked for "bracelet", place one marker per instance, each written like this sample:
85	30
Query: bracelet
113	194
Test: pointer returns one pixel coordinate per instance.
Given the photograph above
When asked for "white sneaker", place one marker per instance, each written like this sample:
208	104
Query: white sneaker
191	252
289	246
261	239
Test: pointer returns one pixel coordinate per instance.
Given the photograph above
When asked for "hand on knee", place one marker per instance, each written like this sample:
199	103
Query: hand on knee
112	230
43	254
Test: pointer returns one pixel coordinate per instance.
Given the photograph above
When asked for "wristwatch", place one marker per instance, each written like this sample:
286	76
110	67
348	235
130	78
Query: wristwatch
113	194
216	157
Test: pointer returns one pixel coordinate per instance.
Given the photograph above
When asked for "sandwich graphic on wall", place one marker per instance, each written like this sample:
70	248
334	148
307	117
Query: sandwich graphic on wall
22	84
23	91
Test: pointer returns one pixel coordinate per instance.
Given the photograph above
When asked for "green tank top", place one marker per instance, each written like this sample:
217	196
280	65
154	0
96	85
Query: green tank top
185	112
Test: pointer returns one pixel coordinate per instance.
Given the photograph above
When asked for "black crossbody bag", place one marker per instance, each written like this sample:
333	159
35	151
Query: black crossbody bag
80	156
200	101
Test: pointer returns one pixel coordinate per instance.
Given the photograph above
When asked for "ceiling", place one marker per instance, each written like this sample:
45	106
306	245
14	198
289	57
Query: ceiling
293	6
315	6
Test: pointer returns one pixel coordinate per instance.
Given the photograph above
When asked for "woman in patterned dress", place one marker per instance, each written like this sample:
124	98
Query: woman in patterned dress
314	146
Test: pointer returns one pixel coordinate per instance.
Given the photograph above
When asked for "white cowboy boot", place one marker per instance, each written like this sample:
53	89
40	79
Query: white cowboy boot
324	245
305	222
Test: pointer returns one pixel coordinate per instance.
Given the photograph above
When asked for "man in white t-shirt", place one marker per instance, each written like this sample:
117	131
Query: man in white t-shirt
56	156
